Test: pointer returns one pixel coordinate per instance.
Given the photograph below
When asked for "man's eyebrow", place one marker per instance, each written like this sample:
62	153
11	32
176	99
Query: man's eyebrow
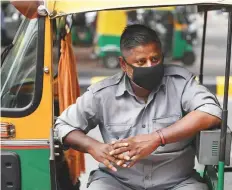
143	57
156	54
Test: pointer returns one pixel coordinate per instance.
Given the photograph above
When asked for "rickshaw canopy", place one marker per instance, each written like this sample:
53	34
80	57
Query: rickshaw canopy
64	7
58	8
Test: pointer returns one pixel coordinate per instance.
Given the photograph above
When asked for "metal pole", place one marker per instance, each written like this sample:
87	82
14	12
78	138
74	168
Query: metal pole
59	46
203	48
225	105
52	163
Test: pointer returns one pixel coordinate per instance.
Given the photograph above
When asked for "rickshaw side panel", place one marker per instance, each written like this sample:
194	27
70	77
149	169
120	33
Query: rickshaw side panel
34	166
36	125
32	131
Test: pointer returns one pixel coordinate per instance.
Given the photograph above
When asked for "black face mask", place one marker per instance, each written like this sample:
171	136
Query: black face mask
148	77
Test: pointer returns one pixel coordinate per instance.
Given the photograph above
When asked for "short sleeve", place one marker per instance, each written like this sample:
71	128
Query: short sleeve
198	97
80	116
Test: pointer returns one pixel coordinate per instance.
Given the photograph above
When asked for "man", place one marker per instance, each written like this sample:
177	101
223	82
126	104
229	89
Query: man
148	116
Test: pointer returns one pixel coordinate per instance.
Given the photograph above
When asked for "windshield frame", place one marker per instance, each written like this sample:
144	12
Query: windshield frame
22	112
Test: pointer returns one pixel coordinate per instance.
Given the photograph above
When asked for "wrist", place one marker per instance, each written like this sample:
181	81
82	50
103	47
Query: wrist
161	137
90	148
156	141
158	138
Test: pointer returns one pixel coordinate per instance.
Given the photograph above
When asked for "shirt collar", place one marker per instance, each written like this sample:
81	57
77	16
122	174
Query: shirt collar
122	86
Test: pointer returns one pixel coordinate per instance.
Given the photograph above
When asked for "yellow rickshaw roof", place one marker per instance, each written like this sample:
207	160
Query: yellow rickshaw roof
64	7
57	8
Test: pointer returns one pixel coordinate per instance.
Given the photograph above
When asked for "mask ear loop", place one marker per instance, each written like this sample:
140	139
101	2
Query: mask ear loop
131	66
127	62
162	60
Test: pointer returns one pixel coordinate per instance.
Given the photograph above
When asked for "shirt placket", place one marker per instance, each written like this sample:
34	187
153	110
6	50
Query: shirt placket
147	167
148	174
145	117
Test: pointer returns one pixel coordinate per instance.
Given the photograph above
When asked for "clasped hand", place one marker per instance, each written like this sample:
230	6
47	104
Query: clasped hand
125	152
135	148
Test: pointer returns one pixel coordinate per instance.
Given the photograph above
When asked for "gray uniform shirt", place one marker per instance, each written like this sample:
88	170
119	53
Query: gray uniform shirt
113	106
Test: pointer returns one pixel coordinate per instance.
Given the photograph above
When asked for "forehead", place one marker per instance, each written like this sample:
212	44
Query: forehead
143	50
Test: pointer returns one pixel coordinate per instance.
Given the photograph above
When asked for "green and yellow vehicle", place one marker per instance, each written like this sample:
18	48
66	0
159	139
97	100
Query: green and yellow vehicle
31	158
169	23
110	25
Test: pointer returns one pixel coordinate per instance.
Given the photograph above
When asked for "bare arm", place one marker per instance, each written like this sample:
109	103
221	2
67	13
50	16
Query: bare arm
189	126
203	112
75	122
80	141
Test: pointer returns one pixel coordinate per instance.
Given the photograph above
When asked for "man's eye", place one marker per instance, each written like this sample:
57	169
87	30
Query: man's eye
142	61
154	59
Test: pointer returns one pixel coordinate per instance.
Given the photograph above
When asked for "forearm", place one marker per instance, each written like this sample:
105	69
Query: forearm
189	126
80	141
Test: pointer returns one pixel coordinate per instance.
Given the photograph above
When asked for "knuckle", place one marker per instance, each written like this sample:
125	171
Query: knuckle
105	162
120	156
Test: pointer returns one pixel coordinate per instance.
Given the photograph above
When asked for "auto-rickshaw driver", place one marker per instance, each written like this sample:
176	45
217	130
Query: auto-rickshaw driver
148	115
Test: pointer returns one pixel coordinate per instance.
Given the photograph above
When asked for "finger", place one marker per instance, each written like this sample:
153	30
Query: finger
113	142
131	164
109	165
118	141
132	153
119	151
111	158
120	162
123	157
134	158
119	145
116	161
124	165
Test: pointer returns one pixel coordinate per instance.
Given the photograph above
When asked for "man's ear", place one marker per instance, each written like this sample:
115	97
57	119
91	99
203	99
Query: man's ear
122	63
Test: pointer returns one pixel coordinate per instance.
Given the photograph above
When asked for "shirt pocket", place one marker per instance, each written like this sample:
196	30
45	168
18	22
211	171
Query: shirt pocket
119	131
165	121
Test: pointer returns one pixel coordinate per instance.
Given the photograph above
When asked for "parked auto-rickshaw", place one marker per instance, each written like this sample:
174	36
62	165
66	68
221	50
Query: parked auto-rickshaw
30	157
107	47
172	27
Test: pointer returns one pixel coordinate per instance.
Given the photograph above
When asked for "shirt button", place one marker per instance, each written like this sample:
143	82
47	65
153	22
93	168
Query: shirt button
143	126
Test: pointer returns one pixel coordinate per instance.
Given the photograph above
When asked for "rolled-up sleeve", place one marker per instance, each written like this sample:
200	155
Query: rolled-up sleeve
198	97
80	116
